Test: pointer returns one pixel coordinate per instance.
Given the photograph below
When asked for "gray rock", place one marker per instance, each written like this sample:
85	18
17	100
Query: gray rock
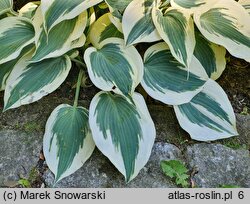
99	172
19	150
243	127
219	165
19	153
38	113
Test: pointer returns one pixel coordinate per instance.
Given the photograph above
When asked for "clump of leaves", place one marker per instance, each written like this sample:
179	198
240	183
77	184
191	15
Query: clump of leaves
42	41
176	170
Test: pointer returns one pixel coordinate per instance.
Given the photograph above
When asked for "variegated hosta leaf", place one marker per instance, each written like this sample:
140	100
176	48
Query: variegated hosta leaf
167	80
118	7
138	26
5	6
29	82
192	5
209	115
116	21
177	29
114	66
15	34
211	56
103	29
123	131
67	142
245	4
163	3
56	11
91	20
3	16
29	9
226	23
5	70
7	67
63	37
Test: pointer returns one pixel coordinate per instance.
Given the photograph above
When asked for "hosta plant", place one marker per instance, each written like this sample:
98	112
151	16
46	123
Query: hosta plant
182	46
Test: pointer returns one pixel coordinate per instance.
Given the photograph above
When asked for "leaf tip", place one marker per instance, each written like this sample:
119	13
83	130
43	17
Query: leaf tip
4	110
6	107
128	42
127	179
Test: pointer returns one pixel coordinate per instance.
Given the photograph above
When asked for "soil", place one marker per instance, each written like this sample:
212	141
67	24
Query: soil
235	80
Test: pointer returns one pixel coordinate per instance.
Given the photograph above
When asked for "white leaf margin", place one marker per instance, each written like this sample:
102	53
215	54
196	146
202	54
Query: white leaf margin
245	4
7	9
130	53
241	18
204	3
219	54
14	79
28	8
45	5
203	133
75	40
8	24
189	30
145	144
97	28
169	96
130	18
51	156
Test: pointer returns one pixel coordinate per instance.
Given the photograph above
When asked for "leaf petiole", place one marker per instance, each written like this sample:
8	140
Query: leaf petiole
79	62
78	86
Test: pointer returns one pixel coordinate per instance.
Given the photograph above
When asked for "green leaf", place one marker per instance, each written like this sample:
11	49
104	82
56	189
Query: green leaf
176	169
209	115
67	141
114	66
15	34
7	67
138	26
5	70
117	8
25	183
56	11
103	29
29	82
50	45
226	23
188	3
192	5
3	16
167	80
182	180
122	130
211	56
177	29
5	6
